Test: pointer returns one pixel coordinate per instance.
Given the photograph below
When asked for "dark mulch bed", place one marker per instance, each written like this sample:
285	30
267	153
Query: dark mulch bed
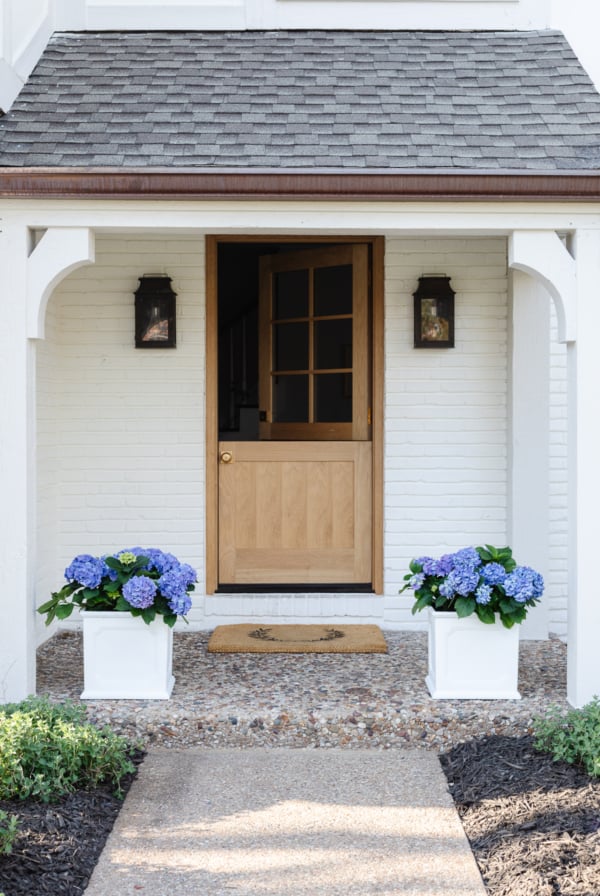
533	824
58	844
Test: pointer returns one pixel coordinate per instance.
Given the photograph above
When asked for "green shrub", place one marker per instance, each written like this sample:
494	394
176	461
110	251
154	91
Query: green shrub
573	736
48	750
8	832
43	708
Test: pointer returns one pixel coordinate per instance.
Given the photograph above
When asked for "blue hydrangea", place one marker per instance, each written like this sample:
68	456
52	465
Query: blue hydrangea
493	574
444	565
433	567
188	573
159	560
463	581
417	580
112	574
86	570
427	564
181	605
172	584
447	588
483	594
467	558
140	592
524	584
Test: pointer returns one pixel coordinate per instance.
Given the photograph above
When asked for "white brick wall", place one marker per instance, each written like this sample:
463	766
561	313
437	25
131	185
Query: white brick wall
446	427
121	432
127	434
557	583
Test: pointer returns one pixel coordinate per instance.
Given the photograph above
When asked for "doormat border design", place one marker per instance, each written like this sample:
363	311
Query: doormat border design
296	638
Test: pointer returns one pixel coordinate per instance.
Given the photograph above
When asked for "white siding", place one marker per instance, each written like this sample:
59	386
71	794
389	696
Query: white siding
272	14
579	20
23	15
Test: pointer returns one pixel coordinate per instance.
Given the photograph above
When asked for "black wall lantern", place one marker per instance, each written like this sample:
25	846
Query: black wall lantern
434	312
155	312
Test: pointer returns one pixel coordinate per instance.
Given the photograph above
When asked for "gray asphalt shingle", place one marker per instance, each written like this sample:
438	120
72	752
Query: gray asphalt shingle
301	99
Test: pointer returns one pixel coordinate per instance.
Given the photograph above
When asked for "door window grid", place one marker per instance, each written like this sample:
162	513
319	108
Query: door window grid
324	405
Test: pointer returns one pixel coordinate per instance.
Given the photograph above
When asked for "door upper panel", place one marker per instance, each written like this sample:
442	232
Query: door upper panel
313	344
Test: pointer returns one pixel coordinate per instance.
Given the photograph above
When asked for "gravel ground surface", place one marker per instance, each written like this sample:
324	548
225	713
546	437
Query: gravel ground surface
353	701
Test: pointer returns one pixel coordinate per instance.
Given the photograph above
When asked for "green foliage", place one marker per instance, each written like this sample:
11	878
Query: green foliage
8	831
571	737
42	708
503	556
49	750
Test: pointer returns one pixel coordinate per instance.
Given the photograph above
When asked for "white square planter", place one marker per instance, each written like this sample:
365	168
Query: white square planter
125	659
471	660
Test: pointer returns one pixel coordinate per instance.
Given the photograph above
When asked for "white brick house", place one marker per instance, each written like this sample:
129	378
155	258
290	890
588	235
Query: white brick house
488	173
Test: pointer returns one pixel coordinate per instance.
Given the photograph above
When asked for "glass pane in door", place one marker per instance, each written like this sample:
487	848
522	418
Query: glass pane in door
290	294
333	290
290	346
333	344
333	398
290	398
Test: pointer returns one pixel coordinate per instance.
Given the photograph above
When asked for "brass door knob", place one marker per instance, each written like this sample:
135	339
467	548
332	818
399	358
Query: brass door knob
226	457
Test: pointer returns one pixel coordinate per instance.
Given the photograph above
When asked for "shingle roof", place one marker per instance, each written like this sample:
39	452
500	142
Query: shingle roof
306	99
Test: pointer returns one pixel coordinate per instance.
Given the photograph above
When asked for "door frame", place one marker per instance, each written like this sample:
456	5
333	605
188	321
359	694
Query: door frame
377	245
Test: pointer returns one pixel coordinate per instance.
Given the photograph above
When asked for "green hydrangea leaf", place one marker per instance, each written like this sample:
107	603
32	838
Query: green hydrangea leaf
63	611
485	614
464	606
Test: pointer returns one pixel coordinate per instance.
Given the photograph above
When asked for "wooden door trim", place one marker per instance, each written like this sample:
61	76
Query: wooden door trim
211	354
377	397
212	418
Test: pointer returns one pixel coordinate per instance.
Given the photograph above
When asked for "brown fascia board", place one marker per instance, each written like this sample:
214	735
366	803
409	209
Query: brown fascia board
391	185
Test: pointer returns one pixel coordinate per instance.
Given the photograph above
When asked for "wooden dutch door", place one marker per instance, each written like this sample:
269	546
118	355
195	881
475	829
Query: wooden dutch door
295	501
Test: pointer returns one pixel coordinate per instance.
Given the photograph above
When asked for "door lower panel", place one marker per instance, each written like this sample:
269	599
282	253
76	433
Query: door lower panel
295	512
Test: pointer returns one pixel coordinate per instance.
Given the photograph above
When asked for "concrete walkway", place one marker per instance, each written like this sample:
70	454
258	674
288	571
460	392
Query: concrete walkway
285	822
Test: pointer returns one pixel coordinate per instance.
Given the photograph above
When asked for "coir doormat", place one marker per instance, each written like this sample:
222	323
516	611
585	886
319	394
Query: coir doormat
252	638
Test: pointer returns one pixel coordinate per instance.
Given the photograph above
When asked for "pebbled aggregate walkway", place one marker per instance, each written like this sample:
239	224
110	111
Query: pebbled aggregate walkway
376	701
